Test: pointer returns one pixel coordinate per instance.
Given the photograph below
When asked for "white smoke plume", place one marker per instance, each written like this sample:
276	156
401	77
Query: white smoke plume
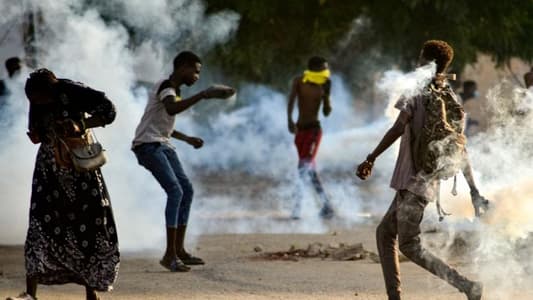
249	153
75	42
500	243
396	84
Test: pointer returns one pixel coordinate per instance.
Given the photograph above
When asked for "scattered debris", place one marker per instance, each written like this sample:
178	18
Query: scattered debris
350	252
333	251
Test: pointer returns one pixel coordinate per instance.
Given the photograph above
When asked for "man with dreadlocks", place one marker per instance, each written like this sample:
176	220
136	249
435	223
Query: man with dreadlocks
312	90
432	148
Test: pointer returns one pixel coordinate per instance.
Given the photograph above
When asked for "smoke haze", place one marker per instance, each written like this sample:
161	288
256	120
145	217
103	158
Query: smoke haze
245	175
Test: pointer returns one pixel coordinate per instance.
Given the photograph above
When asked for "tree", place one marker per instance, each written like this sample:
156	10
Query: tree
276	37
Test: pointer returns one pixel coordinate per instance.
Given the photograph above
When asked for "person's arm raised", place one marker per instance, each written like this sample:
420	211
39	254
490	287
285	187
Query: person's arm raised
174	107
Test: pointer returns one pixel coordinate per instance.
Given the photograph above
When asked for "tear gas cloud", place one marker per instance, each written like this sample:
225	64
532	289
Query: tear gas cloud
247	143
500	242
250	138
76	43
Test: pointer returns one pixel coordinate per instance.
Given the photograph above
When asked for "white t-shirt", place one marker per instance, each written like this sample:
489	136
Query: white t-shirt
156	124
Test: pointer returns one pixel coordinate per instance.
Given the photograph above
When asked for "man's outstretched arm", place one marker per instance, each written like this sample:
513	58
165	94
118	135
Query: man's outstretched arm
174	107
364	170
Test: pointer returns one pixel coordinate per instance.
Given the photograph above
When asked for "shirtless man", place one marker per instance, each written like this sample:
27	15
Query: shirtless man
312	89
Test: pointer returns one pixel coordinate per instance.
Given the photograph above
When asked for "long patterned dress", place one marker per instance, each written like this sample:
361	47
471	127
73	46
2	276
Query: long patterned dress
72	236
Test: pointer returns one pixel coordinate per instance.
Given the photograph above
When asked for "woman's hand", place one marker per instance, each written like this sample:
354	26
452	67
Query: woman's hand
68	127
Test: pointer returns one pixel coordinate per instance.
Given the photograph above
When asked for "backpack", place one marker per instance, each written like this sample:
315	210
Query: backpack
439	149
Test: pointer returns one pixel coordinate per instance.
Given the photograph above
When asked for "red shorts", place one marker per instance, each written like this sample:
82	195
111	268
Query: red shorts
307	142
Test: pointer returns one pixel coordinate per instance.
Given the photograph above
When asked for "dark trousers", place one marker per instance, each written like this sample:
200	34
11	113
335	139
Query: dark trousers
400	228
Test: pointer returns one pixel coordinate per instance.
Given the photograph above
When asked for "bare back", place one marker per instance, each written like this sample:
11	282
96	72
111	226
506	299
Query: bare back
309	97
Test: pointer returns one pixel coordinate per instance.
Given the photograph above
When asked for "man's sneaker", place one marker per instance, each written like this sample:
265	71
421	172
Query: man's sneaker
475	291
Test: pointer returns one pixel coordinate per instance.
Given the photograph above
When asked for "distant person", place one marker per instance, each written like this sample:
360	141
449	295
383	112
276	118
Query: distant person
13	66
521	109
528	78
472	107
311	90
3	91
7	87
424	120
72	236
154	151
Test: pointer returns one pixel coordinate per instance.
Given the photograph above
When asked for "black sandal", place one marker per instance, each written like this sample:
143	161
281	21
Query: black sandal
174	265
190	260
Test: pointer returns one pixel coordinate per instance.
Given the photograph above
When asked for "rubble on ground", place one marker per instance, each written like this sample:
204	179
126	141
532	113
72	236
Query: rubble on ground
332	251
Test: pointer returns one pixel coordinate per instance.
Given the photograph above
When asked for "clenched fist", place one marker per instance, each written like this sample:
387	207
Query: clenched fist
219	91
364	170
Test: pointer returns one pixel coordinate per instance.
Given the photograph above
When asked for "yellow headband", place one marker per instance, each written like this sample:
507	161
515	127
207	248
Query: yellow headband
317	77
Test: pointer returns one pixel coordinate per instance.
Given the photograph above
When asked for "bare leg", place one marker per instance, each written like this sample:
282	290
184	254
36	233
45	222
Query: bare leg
170	252
90	293
170	259
31	286
187	258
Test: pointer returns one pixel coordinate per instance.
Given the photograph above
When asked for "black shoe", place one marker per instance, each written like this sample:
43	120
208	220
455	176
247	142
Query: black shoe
190	260
475	292
174	265
326	212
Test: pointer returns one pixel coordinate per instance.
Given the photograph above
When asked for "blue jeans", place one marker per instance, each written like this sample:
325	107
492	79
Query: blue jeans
162	161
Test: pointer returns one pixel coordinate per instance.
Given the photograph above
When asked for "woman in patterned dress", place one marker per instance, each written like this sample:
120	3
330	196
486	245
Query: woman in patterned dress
72	235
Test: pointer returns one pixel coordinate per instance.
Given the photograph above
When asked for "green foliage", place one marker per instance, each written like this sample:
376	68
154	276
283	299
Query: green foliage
276	37
499	28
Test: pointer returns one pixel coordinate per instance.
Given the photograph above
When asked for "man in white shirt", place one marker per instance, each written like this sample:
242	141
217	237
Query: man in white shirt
152	147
